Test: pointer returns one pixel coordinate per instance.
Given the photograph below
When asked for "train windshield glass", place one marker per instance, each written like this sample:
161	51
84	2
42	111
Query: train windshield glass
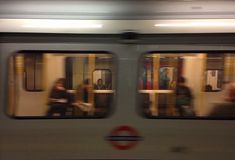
187	85
61	85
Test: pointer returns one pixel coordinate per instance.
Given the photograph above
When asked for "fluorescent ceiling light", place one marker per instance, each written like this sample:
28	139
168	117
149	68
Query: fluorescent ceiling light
61	24
196	23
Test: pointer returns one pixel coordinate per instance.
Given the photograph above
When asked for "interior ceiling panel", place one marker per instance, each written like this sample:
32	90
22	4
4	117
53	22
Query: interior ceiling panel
116	9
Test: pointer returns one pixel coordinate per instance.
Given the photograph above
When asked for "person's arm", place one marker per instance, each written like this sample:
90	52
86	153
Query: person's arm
62	99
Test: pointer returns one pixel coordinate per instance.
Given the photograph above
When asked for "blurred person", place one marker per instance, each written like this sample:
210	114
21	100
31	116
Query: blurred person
184	98
164	78
99	85
82	94
58	98
226	108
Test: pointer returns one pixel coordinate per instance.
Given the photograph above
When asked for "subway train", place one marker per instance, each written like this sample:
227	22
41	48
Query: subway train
126	80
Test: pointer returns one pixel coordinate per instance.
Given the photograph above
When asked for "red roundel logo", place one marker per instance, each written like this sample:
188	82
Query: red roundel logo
124	137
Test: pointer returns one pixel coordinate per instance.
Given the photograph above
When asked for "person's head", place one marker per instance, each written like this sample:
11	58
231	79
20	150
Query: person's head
86	81
60	83
99	82
164	72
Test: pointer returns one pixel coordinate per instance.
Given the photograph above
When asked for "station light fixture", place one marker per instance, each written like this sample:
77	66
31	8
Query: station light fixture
197	23
89	24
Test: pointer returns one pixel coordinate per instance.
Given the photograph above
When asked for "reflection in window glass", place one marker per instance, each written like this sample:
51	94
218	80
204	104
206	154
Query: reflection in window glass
68	84
187	85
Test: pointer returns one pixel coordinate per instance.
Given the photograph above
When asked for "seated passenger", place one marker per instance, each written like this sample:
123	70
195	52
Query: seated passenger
227	108
84	107
102	100
99	85
58	98
82	94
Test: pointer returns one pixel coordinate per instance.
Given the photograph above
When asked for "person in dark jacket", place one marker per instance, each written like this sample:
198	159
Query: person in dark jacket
58	98
100	85
184	98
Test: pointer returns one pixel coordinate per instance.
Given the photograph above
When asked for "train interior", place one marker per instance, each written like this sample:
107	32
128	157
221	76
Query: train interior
90	84
206	75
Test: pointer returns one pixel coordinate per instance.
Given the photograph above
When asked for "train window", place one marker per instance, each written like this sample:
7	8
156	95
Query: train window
213	80
187	85
33	72
102	79
64	82
214	72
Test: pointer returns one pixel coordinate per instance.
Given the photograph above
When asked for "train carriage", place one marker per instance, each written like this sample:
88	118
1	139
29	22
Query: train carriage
117	80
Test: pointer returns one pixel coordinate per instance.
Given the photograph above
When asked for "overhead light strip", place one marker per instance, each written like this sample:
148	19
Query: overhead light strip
61	24
196	23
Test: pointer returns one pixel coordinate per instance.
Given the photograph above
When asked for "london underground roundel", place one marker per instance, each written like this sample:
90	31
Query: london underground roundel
124	137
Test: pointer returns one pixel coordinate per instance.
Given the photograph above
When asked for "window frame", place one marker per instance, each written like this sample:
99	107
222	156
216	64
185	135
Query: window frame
140	110
25	81
110	110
